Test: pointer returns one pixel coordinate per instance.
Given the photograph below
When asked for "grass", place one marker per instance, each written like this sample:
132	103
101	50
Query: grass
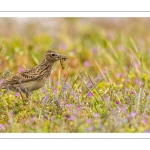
103	88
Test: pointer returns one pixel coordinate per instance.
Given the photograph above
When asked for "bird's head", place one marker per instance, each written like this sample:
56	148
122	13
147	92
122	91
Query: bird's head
52	56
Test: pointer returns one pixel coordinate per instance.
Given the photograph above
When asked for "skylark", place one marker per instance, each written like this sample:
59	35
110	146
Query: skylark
33	78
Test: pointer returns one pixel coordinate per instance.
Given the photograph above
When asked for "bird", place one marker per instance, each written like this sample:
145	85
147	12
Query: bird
33	78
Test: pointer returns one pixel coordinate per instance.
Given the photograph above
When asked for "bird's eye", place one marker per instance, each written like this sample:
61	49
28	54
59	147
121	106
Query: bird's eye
53	55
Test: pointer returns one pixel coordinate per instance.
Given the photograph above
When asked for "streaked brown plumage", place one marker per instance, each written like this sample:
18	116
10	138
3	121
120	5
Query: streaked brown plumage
34	78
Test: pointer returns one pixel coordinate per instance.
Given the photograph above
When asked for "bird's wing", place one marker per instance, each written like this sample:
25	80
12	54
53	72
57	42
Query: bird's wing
25	76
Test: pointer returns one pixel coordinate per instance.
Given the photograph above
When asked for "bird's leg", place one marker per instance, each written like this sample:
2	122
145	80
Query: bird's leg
22	96
27	95
7	89
23	89
18	90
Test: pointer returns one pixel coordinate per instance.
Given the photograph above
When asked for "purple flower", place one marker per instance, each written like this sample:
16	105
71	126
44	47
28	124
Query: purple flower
141	83
70	118
126	68
63	46
126	89
132	92
78	108
89	94
135	64
118	75
26	122
90	128
68	105
132	114
72	93
68	86
86	63
54	91
20	70
88	121
89	84
2	127
16	94
123	109
147	131
135	81
56	83
93	50
99	98
45	98
34	119
43	90
144	121
117	102
96	115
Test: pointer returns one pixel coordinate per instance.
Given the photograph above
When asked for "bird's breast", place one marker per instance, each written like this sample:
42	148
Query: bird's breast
33	85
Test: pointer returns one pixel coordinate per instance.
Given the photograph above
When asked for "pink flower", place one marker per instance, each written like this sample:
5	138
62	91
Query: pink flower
126	68
63	46
141	83
89	94
20	70
56	83
96	115
135	64
26	122
132	92
118	75
86	63
16	94
132	114
144	121
90	128
78	108
34	119
68	105
43	90
70	118
123	109
93	50
88	121
54	91
45	98
147	131
135	81
117	102
89	84
72	93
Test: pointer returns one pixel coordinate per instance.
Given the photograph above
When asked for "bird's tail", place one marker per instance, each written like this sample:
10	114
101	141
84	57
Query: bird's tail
2	86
